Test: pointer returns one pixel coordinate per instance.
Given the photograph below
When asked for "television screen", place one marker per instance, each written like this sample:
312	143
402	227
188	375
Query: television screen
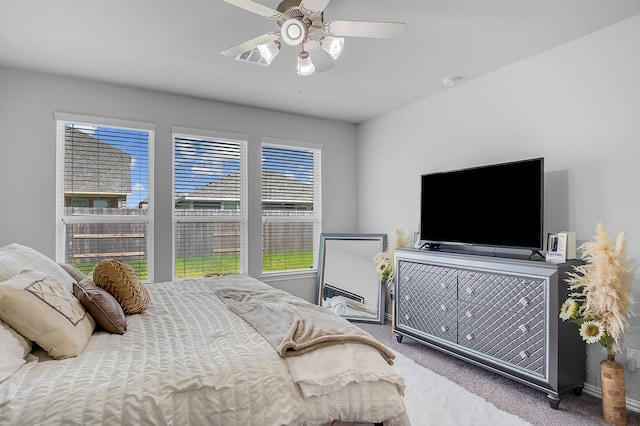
499	205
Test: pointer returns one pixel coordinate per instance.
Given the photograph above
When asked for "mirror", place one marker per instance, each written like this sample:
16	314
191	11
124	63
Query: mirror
348	280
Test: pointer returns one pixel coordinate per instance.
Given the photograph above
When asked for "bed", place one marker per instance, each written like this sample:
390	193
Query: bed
199	353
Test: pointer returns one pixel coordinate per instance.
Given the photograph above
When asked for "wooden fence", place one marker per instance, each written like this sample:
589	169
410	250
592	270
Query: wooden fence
91	242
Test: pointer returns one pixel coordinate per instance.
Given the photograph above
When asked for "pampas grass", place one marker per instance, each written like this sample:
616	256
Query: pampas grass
601	288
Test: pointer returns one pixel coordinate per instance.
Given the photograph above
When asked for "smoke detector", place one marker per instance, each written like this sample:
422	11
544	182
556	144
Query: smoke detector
450	81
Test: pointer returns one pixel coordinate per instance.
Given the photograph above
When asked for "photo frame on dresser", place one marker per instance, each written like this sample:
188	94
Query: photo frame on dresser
556	247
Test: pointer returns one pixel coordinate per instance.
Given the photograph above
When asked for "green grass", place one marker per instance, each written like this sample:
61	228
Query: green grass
198	266
273	262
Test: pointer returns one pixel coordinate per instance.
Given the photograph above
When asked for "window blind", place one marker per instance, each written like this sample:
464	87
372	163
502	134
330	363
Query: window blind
209	205
290	207
103	194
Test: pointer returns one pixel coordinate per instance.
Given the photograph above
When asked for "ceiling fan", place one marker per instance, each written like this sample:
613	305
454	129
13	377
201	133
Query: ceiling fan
302	24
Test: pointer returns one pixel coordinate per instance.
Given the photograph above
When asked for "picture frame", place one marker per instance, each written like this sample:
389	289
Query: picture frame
556	247
416	240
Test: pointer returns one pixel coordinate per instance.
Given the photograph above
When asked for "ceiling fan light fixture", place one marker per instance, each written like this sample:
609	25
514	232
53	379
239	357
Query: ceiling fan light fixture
332	45
300	21
269	50
293	31
305	66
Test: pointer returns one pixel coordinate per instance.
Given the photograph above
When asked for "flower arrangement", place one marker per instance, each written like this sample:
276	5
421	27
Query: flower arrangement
384	259
600	292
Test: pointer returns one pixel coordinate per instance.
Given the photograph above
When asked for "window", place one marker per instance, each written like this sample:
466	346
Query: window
290	207
103	192
210	199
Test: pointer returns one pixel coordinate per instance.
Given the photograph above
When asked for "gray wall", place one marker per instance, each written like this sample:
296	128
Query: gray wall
28	145
577	105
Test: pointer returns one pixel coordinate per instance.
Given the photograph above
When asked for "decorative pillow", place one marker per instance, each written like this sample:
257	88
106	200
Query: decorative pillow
103	307
75	273
121	281
42	310
15	258
14	348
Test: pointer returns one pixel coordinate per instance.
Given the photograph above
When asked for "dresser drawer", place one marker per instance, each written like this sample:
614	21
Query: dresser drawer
431	322
430	278
501	290
434	316
514	337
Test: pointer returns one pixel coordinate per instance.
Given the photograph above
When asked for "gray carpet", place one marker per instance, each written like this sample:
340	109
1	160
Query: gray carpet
530	404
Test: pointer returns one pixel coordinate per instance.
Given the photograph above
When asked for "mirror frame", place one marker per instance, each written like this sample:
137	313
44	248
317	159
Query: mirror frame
322	259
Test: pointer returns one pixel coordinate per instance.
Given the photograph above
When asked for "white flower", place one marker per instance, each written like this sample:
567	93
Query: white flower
384	260
569	309
592	331
383	265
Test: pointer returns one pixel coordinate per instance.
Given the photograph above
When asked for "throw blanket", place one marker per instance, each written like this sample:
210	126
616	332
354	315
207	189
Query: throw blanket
290	324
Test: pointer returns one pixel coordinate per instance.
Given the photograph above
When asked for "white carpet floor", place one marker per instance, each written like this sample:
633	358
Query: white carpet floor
431	399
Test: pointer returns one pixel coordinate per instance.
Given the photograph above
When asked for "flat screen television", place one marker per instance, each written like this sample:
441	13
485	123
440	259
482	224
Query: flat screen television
496	205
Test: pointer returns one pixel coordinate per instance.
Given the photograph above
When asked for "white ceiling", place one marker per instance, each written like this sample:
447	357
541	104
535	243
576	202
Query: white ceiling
175	46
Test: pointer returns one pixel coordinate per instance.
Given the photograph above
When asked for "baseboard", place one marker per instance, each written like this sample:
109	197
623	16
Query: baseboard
632	404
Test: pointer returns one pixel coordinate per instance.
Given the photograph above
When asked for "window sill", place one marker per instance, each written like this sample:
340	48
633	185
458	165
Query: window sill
288	275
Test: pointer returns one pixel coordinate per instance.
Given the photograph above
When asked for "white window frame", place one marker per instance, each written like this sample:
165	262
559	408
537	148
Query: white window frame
62	220
242	140
316	218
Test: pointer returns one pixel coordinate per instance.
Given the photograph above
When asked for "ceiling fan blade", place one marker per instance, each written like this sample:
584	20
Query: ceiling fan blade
313	7
257	8
365	29
249	44
321	59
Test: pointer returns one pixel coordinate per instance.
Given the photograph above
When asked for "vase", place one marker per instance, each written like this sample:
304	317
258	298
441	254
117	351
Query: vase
614	404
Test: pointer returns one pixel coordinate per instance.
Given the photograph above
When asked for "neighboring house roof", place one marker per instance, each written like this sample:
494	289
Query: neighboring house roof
93	166
281	188
224	189
275	188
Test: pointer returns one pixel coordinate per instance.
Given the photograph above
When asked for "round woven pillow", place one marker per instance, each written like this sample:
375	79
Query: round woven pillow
123	283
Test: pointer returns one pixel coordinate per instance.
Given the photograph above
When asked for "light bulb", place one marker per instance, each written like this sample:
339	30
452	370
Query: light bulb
269	50
333	45
305	66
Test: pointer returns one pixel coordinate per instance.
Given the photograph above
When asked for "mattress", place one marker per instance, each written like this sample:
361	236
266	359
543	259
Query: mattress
189	360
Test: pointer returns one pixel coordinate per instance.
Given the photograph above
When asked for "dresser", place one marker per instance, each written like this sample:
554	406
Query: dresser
497	313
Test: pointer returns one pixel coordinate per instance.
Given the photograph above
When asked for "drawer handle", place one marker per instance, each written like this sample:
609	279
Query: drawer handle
406	278
523	328
524	301
470	337
469	314
444	329
523	354
443	285
469	290
406	316
443	307
407	297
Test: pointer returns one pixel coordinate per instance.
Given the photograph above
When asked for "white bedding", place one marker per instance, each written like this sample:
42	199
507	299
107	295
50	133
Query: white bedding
188	360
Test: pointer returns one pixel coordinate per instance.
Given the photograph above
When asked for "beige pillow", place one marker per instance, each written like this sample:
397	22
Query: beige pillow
42	310
15	258
103	307
121	281
14	348
75	273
